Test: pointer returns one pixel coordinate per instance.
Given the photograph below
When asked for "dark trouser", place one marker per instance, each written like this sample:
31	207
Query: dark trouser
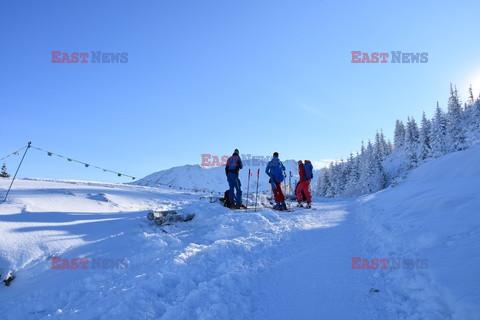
234	183
277	193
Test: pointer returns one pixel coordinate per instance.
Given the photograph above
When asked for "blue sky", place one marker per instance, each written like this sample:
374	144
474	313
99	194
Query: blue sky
211	76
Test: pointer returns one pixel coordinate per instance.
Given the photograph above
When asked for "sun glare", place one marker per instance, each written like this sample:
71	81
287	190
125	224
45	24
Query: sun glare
475	82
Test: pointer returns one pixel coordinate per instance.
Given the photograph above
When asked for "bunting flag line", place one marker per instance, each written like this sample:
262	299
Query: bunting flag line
87	165
49	153
15	153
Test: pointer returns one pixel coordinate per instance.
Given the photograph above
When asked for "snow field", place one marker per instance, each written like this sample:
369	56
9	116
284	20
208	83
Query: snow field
240	264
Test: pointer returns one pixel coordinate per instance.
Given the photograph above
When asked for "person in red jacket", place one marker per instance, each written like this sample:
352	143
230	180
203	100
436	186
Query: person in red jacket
303	185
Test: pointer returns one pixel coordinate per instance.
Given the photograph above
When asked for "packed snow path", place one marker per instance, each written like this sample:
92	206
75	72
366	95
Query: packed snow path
310	275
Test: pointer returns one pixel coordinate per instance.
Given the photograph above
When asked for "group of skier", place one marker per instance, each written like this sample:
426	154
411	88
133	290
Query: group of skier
276	171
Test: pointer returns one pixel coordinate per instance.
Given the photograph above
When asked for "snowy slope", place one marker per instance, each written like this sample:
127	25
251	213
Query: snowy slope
432	216
244	265
196	177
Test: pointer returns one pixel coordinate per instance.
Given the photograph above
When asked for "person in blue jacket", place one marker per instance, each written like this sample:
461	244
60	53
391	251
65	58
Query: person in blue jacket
276	171
232	168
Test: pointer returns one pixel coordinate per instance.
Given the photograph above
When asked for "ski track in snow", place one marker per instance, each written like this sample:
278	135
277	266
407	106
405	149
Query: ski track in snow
310	276
228	264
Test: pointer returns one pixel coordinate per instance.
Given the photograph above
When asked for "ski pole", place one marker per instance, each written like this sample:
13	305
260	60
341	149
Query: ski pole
256	193
290	182
248	187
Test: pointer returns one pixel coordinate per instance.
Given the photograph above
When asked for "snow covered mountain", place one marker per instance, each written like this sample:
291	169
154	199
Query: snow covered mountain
228	264
198	178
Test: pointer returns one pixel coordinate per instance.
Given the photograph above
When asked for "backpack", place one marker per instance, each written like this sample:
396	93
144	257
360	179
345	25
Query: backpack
308	170
233	164
276	170
226	199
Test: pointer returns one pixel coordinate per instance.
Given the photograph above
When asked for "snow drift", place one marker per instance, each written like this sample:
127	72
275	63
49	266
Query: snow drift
433	215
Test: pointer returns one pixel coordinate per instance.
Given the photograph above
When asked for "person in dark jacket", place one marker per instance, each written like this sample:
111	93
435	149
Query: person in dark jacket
232	168
276	171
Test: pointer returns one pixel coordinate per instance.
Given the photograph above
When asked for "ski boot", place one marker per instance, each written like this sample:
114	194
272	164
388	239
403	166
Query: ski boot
283	206
309	205
276	206
299	204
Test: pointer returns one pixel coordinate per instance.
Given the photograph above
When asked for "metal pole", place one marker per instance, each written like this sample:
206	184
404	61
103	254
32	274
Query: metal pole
256	192
8	191
290	182
248	187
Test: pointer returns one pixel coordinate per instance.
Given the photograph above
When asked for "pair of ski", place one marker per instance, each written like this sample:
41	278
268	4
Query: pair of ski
263	206
292	209
246	208
8	278
169	217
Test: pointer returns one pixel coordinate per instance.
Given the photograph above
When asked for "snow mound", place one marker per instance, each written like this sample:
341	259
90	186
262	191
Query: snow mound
98	197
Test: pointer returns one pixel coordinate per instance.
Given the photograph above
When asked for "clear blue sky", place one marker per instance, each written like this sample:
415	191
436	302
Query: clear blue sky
211	76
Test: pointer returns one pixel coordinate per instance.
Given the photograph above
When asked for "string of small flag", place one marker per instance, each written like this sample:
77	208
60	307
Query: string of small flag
15	153
87	165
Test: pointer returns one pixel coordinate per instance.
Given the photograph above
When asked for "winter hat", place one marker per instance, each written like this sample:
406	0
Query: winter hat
275	154
236	151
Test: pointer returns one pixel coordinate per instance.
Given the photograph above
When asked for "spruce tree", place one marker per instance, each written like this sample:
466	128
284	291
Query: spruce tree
438	134
328	175
474	123
390	146
472	118
336	179
471	100
399	135
381	146
4	173
351	185
325	183
412	143
425	130
456	139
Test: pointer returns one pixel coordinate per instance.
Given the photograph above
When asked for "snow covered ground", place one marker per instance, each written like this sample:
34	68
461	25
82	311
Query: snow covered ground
245	265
